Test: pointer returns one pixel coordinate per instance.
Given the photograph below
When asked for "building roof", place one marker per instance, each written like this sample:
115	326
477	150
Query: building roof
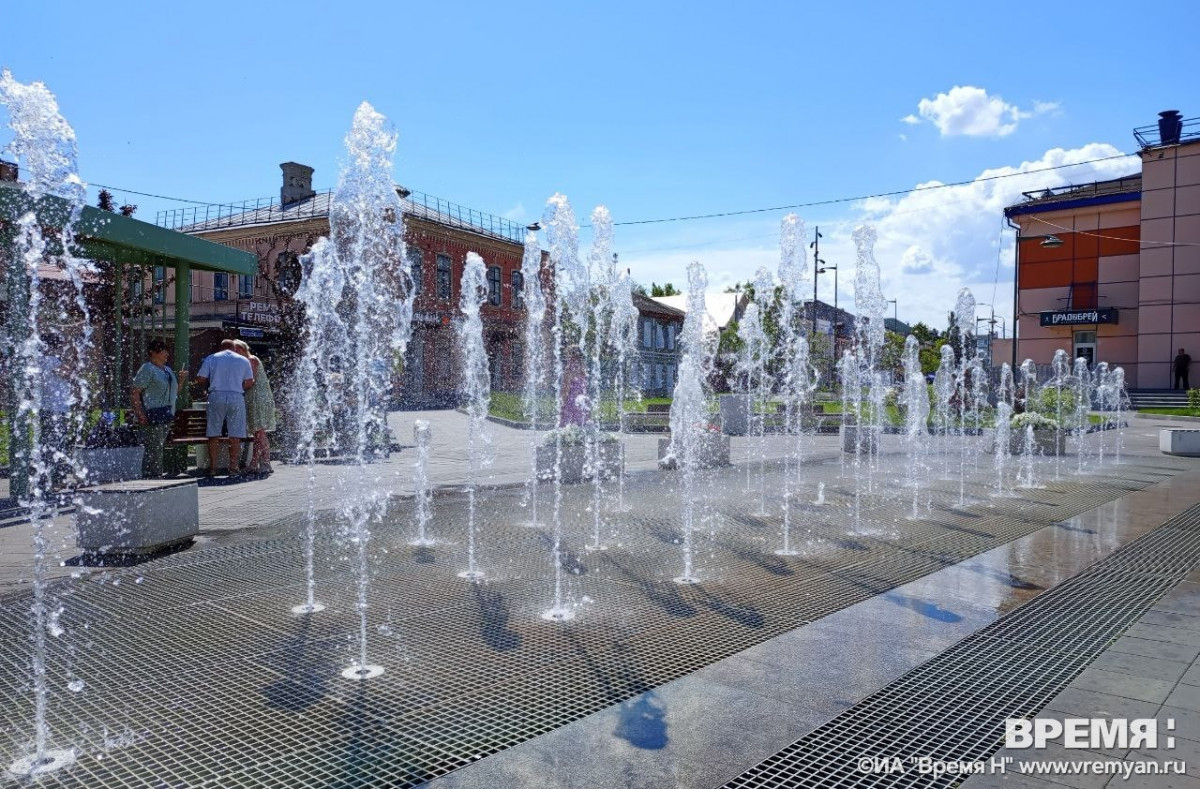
264	212
648	306
1114	190
107	236
719	310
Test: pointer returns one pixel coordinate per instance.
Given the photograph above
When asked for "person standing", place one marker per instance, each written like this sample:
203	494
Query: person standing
260	412
153	395
228	376
1182	363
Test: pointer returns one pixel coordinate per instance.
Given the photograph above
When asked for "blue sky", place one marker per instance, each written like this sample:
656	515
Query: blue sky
653	109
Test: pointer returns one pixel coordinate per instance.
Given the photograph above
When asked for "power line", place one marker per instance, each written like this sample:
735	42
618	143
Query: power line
147	194
837	200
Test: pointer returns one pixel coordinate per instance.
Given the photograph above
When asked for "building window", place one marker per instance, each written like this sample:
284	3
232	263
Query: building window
1083	296
671	337
246	286
658	374
220	287
493	285
443	277
647	335
416	270
160	275
518	290
660	337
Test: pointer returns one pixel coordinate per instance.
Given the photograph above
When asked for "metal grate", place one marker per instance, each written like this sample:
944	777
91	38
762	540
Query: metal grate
953	706
202	678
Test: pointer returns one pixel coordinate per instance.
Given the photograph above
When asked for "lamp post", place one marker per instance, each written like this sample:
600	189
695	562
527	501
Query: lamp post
895	313
815	246
834	319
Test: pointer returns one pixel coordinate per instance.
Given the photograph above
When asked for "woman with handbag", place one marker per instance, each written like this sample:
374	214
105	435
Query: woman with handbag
155	388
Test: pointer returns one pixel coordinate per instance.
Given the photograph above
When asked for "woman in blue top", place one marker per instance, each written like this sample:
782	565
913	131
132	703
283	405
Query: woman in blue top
153	395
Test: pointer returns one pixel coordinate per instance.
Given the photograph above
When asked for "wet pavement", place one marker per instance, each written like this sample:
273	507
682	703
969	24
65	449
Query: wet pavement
653	684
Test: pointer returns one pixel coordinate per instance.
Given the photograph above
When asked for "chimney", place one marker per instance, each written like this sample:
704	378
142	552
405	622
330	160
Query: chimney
1170	126
8	171
297	183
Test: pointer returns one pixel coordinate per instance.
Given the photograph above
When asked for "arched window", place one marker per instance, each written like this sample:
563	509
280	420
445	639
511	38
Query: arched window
493	285
518	290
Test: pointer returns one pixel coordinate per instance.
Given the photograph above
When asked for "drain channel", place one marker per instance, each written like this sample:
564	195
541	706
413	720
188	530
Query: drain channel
953	706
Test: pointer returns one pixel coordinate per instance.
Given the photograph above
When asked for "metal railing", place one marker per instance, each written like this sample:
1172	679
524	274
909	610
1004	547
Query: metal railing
1130	183
265	210
1151	136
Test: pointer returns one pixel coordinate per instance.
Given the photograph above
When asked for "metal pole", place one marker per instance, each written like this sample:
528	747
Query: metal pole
118	376
816	275
183	305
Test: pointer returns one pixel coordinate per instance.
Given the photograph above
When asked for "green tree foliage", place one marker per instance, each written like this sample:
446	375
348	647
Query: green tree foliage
668	289
924	334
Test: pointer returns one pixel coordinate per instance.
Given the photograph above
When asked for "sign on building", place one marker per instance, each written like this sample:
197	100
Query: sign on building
1079	317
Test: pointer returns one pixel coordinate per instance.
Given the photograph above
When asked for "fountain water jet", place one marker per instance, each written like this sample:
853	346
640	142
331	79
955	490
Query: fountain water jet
423	438
44	144
535	358
476	388
916	420
689	410
358	301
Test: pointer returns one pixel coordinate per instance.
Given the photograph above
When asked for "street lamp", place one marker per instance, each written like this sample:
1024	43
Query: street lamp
895	313
815	246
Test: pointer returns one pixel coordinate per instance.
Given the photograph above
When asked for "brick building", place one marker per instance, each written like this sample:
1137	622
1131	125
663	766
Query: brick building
438	234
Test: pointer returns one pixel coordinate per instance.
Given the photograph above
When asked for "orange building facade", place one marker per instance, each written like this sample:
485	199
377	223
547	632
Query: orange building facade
1110	271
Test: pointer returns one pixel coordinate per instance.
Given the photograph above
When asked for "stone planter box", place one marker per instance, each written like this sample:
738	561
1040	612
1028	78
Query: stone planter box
713	451
1044	442
102	466
137	516
868	443
574	462
1178	441
735	414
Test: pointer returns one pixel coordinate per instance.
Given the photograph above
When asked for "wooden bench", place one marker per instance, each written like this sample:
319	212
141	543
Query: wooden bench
189	427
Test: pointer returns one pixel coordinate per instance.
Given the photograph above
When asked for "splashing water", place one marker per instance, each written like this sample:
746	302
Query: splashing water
1005	393
799	377
53	201
689	409
562	233
916	420
423	438
622	338
1081	384
1061	384
360	320
476	389
600	276
535	358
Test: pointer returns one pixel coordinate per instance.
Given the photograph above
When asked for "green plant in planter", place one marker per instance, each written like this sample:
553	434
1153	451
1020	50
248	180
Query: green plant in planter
574	435
106	433
1036	420
1194	400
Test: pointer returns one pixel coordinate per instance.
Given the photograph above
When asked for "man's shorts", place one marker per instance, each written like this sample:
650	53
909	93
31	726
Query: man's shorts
228	409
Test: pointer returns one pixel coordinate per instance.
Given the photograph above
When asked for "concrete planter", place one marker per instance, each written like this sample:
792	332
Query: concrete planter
1178	441
137	516
712	451
861	439
735	414
1045	442
573	466
102	466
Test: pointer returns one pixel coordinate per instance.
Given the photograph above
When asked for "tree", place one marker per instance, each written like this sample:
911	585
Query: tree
924	334
668	289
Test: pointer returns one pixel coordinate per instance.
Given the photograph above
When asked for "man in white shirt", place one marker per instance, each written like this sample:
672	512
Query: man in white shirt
228	375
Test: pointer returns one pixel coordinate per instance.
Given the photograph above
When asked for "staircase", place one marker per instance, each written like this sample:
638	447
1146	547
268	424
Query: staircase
1158	398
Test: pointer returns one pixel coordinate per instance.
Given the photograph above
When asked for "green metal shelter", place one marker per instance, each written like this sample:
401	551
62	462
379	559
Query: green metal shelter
124	241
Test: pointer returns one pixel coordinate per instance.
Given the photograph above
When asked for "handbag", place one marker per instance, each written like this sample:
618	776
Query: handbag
159	416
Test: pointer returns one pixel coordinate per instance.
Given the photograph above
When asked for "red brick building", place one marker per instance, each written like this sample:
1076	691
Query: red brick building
439	236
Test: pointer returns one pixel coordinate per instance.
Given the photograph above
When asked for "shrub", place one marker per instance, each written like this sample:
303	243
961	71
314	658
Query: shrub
1039	422
1194	399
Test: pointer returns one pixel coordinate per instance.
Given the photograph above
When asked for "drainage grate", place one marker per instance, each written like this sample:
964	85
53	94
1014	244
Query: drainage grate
953	706
198	675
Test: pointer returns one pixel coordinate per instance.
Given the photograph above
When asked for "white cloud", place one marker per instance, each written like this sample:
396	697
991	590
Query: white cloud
517	213
932	242
903	138
969	111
